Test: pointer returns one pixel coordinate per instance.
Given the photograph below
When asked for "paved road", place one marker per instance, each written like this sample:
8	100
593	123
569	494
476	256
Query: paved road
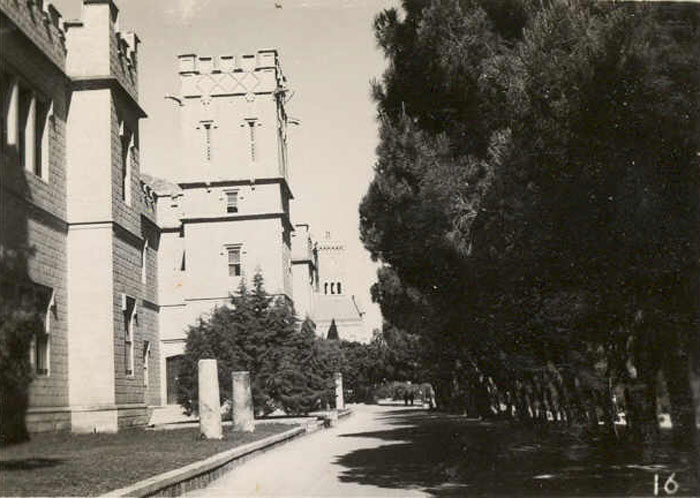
326	463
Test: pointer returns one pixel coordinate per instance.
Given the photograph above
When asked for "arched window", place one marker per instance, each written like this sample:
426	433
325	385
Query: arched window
325	288
332	287
339	288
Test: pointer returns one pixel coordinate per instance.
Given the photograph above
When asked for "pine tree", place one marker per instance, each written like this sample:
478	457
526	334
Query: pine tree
258	333
530	148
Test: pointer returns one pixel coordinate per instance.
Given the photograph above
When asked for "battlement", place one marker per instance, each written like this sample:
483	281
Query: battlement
98	48
41	22
330	244
259	72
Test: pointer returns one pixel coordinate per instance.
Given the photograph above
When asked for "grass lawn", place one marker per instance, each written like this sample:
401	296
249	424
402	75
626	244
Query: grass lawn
62	464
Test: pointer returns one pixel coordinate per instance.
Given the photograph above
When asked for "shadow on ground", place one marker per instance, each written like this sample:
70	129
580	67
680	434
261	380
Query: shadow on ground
447	455
29	463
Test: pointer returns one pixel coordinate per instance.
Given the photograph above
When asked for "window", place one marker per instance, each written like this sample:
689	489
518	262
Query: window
127	141
252	123
129	309
41	139
144	261
232	201
325	287
207	141
25	129
207	128
8	104
146	361
332	287
234	261
40	348
23	124
338	287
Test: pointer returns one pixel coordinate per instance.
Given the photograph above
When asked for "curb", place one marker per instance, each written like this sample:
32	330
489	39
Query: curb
198	474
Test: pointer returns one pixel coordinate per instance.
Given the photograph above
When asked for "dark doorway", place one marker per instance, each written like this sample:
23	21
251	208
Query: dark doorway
172	371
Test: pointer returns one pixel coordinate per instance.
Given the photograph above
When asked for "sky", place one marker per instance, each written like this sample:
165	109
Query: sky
329	56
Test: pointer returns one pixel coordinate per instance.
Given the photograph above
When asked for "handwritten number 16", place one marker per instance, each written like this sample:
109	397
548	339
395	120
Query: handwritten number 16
670	486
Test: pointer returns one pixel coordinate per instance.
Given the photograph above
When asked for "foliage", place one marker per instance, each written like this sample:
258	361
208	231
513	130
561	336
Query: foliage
18	324
289	369
535	203
391	355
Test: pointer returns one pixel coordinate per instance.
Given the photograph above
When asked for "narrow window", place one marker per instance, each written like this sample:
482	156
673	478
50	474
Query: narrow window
325	288
8	116
11	112
252	123
232	202
40	348
339	288
146	361
41	298
129	308
41	140
144	261
207	141
127	150
332	287
234	261
25	129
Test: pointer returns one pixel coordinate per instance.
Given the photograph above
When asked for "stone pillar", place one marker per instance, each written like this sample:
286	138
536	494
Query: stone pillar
339	400
209	406
242	406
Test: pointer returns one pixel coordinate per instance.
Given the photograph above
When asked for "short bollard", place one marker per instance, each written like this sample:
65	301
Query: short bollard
339	399
242	407
330	419
209	407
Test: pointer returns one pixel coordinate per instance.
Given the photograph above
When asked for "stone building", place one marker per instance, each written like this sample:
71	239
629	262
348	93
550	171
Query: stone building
225	214
305	272
72	203
333	303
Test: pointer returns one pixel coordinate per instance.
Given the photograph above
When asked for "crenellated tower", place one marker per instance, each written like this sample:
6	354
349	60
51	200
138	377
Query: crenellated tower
225	212
233	118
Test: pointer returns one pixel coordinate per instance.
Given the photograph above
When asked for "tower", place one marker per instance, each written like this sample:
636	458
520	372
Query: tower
335	306
226	214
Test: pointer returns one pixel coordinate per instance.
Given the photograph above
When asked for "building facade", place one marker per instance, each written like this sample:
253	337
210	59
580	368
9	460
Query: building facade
333	301
225	214
304	272
74	208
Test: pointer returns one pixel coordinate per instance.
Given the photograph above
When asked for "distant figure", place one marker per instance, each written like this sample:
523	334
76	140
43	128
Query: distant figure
410	397
429	397
405	398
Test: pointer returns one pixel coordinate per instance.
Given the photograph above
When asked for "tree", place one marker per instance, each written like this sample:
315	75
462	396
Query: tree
18	324
258	333
544	155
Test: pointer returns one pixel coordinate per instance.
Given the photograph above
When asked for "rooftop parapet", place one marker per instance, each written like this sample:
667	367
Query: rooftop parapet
97	48
229	75
49	33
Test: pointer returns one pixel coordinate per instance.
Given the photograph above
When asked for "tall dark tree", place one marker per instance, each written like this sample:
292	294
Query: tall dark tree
535	201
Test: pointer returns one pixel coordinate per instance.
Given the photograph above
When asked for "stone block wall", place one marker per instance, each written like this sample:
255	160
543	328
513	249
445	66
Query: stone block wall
41	23
33	208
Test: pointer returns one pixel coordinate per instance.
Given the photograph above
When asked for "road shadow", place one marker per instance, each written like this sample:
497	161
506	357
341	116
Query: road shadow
446	455
29	463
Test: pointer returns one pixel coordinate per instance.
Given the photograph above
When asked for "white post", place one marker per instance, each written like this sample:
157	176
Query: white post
242	404
339	400
209	406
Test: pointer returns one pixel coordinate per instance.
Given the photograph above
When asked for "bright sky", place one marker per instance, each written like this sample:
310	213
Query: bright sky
329	56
